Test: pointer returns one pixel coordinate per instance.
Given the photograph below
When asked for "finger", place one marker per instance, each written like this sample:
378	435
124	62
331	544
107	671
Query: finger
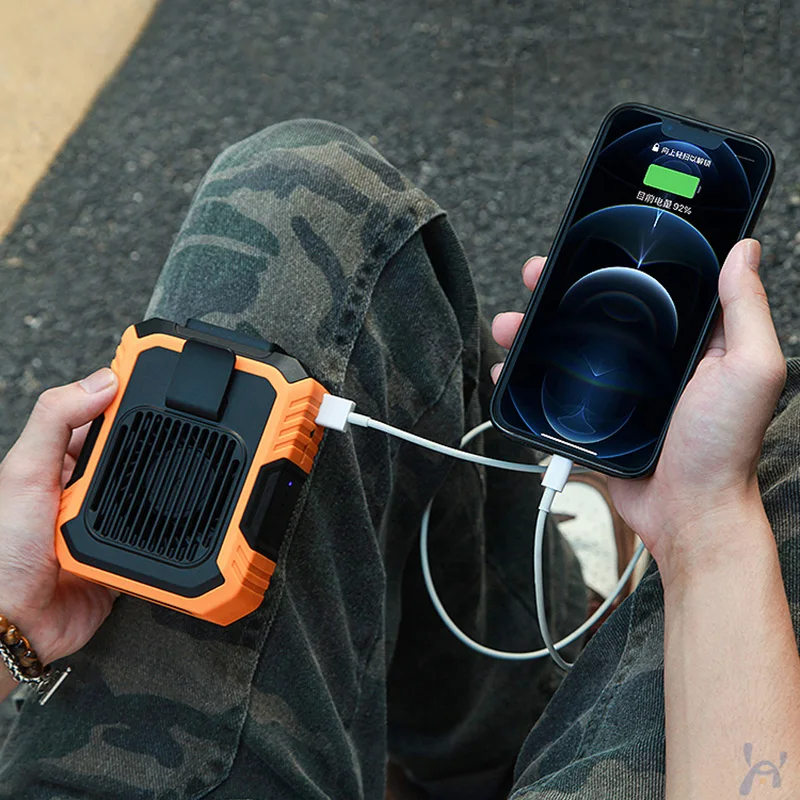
37	457
716	344
77	439
532	271
746	318
505	327
496	370
73	451
67	469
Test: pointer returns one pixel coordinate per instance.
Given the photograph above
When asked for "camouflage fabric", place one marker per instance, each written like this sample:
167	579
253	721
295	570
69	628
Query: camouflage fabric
304	235
602	735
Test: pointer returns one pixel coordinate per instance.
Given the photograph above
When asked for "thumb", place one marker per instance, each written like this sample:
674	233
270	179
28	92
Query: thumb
746	318
37	458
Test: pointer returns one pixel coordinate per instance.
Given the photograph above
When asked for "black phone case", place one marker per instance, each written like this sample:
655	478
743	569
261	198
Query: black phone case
600	465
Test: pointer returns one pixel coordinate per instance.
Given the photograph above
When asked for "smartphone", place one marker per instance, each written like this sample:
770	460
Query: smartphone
628	297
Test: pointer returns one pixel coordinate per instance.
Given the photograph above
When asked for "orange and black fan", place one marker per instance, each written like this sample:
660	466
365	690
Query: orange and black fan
185	486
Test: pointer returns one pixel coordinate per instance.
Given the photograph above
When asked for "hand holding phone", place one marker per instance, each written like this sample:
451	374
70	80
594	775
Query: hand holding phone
708	464
628	298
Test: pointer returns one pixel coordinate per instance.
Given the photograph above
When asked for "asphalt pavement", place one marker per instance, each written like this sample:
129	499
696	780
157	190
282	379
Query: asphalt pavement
490	106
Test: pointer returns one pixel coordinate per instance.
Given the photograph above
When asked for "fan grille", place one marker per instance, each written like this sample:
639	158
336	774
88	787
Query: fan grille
166	488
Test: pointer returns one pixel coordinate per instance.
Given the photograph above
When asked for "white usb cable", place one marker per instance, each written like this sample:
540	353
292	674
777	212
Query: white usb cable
338	413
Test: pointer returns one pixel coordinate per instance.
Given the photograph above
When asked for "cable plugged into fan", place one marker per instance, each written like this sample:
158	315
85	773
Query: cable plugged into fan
338	413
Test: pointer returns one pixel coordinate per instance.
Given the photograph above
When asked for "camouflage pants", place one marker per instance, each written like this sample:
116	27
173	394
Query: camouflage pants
305	236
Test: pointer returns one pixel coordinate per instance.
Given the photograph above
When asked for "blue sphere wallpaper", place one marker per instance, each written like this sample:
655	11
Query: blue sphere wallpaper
614	328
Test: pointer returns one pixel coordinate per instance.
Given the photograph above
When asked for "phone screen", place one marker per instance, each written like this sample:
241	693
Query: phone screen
631	288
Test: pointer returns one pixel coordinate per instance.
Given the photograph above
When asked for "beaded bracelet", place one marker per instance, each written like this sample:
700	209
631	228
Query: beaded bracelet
24	665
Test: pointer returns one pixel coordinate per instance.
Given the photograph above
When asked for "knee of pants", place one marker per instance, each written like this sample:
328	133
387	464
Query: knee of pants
288	134
287	237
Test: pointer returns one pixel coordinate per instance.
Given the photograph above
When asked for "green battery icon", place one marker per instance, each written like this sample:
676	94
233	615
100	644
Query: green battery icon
670	180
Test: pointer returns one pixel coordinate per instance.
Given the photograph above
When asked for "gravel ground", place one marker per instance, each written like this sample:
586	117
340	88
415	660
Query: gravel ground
491	106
